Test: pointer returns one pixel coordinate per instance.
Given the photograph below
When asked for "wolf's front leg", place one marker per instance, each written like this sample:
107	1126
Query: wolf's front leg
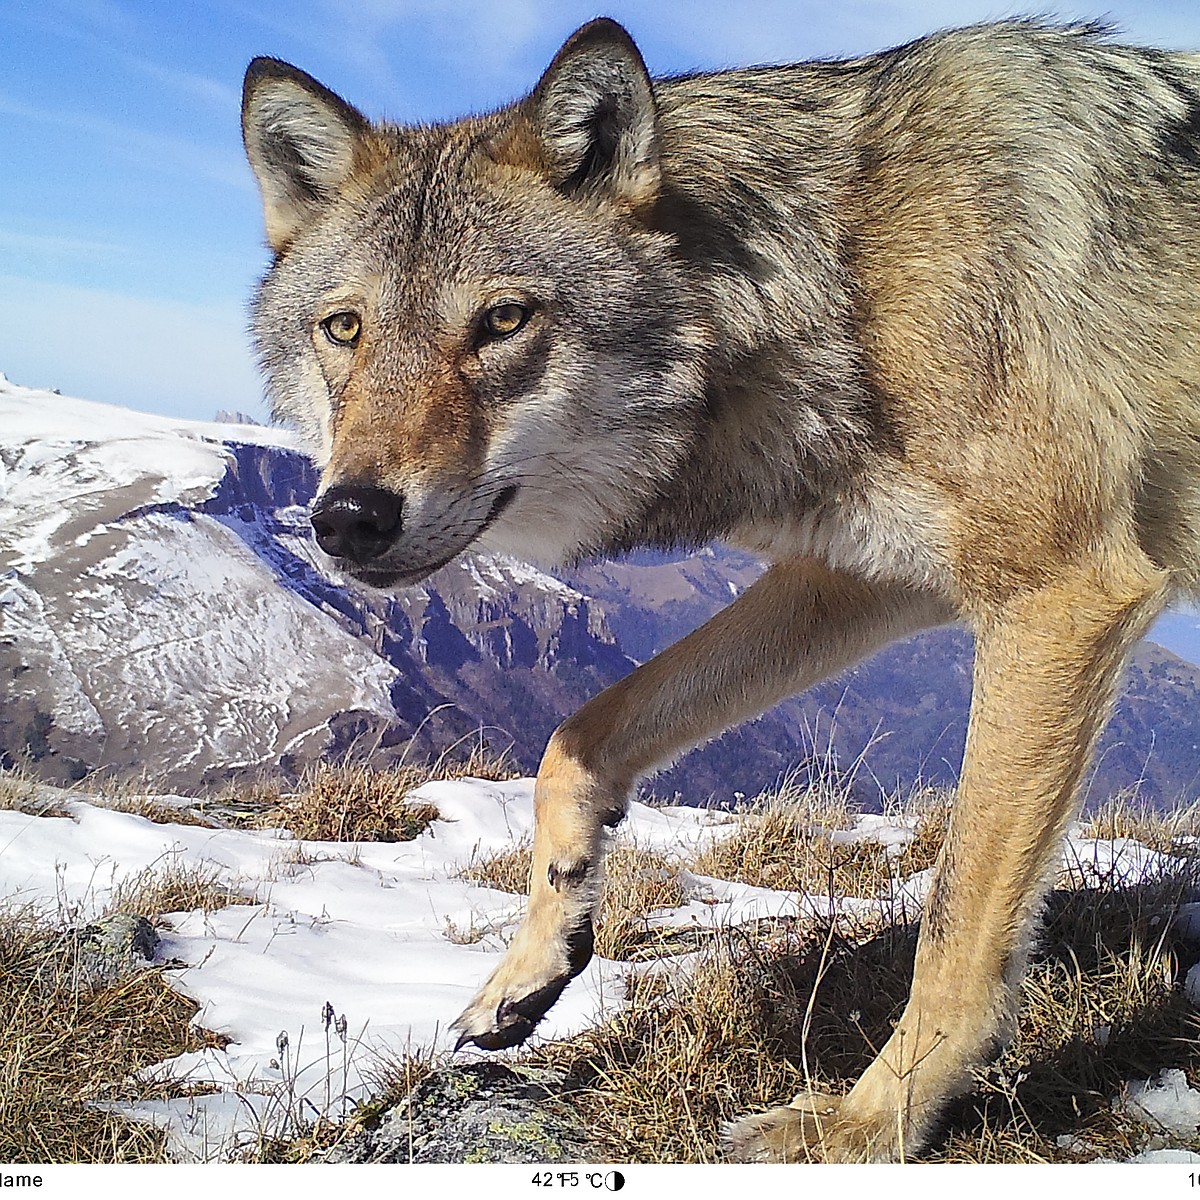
799	623
1046	671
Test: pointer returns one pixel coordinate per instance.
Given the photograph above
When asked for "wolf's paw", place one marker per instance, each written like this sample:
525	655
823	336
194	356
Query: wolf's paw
810	1129
523	988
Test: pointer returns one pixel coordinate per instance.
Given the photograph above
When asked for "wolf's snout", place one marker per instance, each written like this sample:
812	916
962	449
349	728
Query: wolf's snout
356	522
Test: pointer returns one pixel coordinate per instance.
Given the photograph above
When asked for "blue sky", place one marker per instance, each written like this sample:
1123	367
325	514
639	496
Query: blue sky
130	234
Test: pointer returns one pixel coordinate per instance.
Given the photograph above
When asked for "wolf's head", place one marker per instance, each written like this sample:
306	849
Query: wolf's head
476	325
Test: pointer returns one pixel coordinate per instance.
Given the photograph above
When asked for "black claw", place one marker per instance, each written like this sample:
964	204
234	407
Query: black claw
580	946
498	1039
517	1019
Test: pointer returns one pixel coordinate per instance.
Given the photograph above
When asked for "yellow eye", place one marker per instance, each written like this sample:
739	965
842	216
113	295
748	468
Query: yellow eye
504	320
342	328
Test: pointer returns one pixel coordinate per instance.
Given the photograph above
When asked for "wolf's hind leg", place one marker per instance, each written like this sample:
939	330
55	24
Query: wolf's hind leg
799	623
1046	670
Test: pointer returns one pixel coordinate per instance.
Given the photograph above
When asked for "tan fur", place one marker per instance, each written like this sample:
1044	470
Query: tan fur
922	329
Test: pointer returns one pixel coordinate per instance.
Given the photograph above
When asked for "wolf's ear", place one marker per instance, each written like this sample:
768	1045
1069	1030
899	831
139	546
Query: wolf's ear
301	141
594	114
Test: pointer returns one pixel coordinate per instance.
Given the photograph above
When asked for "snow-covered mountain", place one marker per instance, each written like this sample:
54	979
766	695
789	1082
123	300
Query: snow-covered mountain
136	625
163	610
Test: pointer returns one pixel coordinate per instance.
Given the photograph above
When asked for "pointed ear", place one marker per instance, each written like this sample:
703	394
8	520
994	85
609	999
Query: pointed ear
594	114
303	143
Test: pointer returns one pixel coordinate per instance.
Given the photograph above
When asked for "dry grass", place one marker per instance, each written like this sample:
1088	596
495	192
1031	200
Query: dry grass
20	792
67	1042
174	886
1101	1004
785	843
332	802
760	1015
689	1053
391	1077
636	883
61	1047
506	871
1128	816
152	808
356	803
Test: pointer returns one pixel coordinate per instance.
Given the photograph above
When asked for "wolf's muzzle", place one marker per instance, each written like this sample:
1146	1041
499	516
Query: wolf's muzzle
356	522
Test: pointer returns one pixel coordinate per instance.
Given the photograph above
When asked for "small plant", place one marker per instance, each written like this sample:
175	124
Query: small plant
355	804
173	885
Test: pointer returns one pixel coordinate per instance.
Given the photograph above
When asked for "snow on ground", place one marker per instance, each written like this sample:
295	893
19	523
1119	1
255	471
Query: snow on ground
384	933
1165	1104
386	938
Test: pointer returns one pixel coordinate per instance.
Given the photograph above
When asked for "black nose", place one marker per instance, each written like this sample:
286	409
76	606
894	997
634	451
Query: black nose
356	522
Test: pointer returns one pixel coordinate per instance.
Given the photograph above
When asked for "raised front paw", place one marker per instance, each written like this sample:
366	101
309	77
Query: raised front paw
524	987
813	1128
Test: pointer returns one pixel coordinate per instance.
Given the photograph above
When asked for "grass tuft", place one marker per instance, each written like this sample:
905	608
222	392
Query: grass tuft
354	804
174	886
789	840
62	1046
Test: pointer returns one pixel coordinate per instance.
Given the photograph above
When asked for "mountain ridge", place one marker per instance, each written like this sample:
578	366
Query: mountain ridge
163	609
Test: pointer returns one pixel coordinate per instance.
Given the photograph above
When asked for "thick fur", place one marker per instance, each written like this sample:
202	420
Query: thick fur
922	329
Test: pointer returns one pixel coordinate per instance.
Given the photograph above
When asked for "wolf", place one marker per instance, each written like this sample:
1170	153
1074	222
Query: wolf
921	329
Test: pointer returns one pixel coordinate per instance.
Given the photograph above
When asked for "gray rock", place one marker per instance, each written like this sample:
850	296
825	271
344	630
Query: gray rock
112	947
480	1113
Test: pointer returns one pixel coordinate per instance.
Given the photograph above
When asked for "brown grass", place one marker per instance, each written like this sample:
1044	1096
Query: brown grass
357	803
767	1010
784	843
20	792
332	802
1128	816
61	1048
174	886
1101	1004
506	871
354	804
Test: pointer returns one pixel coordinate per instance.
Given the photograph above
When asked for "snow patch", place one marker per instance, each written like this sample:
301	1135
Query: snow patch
1163	1104
385	934
1191	986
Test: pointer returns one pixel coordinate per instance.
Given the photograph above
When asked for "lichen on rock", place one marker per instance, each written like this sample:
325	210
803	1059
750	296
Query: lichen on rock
483	1112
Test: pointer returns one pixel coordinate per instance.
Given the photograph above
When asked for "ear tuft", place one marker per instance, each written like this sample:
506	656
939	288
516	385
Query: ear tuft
301	140
596	118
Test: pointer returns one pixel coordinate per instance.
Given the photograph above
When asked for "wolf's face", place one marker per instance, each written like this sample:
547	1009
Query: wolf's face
474	325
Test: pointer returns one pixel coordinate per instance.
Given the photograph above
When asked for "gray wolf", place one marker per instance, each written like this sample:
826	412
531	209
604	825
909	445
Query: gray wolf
922	329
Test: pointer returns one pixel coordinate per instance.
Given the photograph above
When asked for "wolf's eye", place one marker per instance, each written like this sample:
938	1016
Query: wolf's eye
342	328
503	320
